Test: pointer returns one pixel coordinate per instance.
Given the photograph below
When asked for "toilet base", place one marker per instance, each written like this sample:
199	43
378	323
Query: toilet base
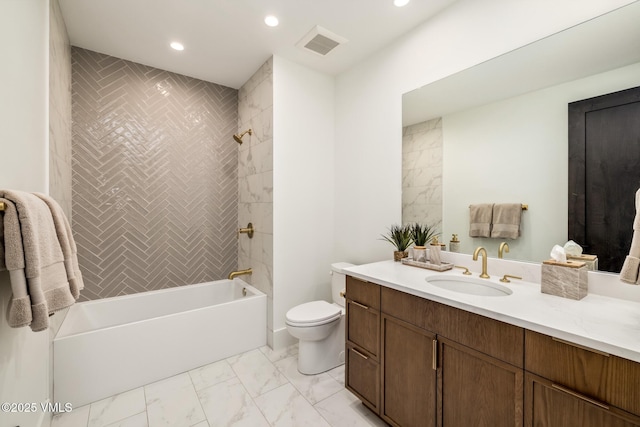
315	357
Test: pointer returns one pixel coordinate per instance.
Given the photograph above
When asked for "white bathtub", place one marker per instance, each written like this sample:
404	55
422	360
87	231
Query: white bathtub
112	345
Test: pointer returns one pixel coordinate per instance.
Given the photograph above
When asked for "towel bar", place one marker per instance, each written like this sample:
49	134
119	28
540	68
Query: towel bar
524	207
1	206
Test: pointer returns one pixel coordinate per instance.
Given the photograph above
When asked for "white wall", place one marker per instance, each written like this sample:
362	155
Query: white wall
303	183
24	28
516	150
368	146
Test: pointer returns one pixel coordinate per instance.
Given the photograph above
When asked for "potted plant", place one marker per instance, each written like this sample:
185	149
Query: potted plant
421	234
400	237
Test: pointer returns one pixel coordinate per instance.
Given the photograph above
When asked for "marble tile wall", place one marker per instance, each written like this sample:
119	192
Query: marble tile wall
155	176
422	173
59	109
255	182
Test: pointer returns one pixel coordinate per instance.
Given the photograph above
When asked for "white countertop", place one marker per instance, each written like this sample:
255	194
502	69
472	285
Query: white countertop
603	323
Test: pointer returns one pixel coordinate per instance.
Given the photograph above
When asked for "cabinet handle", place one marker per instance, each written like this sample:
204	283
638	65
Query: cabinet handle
359	354
579	396
359	305
581	347
434	355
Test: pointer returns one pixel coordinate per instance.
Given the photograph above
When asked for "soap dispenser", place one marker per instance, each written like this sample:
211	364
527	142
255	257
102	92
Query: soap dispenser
454	244
434	252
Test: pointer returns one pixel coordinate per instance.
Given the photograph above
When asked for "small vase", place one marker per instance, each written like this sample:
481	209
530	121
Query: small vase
398	255
420	253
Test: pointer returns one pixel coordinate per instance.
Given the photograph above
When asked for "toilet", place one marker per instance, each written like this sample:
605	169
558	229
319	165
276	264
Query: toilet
319	325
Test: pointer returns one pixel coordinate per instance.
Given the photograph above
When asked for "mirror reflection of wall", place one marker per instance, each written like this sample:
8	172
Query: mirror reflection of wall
514	150
422	173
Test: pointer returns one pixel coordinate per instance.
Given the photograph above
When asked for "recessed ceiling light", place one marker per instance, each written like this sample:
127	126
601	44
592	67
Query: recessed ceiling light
177	46
400	3
271	21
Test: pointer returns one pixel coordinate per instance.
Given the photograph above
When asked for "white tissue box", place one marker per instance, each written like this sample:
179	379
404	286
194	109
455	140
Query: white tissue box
564	279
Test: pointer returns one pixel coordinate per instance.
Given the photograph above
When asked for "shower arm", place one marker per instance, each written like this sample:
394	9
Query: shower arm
248	230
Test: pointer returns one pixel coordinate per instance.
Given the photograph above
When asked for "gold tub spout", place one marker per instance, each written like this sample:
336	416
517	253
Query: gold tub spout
239	273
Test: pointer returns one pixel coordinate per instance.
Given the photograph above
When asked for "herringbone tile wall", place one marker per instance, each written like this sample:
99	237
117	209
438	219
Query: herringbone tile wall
155	176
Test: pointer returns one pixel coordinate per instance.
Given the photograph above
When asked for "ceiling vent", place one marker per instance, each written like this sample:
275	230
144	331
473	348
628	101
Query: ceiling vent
320	41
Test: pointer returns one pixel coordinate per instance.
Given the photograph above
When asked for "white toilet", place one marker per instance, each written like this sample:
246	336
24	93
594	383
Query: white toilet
319	326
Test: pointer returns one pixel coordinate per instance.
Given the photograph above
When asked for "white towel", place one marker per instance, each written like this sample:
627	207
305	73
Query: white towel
631	266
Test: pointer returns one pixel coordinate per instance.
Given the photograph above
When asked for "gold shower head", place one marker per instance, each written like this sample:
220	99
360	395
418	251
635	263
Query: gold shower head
238	137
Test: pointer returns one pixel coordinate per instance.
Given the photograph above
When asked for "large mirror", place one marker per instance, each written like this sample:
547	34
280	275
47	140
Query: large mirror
497	132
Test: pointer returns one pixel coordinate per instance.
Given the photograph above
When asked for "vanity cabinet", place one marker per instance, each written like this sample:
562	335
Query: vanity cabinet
438	365
408	374
362	362
571	385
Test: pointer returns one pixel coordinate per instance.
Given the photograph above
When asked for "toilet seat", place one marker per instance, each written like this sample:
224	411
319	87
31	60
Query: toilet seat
313	313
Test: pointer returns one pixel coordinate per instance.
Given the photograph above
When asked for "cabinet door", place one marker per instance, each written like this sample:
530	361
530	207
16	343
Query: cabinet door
409	375
548	405
476	389
362	376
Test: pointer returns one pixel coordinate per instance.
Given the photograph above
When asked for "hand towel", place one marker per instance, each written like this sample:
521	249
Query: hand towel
629	273
480	220
35	261
506	220
67	244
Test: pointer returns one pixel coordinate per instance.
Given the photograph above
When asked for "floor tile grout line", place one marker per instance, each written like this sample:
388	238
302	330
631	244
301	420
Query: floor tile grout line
198	395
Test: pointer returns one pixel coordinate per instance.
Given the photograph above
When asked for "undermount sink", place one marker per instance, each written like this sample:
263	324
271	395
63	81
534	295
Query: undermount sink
469	285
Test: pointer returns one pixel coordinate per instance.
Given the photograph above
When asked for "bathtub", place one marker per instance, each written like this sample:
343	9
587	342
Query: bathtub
112	345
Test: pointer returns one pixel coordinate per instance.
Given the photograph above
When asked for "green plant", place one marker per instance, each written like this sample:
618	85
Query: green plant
399	236
422	233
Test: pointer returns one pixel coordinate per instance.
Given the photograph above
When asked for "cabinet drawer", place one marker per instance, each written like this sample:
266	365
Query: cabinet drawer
363	292
362	377
603	377
492	337
363	327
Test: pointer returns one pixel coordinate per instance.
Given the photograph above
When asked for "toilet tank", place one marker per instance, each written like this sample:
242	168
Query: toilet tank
338	281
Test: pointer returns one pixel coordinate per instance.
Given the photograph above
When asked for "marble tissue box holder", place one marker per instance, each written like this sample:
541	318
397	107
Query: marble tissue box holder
564	279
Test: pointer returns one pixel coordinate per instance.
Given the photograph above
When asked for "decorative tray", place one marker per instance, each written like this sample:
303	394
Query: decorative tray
442	267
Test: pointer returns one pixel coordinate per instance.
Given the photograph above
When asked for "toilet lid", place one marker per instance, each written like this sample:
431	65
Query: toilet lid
313	312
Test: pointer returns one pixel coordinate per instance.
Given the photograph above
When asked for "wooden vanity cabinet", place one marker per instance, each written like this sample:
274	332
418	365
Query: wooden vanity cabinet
571	385
362	361
447	367
408	374
486	372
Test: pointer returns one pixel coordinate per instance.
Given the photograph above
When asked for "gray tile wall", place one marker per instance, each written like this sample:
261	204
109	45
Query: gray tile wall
155	176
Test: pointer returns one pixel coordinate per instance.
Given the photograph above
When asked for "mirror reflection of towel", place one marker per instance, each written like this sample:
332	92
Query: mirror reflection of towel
480	220
506	221
631	266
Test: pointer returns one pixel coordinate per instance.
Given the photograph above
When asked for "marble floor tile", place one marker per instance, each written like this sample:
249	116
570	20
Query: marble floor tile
343	409
256	372
285	407
116	408
211	374
338	374
229	404
78	417
275	355
202	424
314	388
173	403
138	420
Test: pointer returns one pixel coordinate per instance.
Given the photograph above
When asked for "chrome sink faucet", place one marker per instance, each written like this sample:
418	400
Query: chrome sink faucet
481	251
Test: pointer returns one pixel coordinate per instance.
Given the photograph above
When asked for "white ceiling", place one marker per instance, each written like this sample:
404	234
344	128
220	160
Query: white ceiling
226	41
